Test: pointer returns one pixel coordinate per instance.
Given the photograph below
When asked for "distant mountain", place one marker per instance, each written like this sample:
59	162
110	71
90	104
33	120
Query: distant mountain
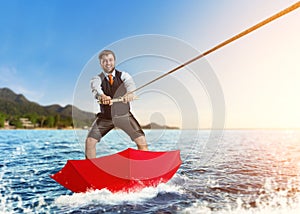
157	126
16	104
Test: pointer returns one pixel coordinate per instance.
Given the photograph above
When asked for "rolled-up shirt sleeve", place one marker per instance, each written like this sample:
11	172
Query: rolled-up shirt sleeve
96	86
128	82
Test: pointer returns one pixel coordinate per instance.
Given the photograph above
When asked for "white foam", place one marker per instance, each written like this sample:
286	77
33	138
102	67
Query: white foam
202	208
20	150
106	197
270	201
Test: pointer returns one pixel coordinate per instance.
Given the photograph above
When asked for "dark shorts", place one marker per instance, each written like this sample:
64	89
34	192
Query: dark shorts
127	123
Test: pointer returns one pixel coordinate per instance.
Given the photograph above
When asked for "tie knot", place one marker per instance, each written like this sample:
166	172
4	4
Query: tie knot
110	79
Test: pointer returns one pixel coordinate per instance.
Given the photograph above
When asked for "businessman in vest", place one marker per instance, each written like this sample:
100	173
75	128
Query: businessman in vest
110	84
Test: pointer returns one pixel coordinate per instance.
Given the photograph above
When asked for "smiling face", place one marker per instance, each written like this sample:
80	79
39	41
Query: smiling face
107	62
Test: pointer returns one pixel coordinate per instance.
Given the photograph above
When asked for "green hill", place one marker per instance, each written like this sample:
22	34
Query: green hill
15	106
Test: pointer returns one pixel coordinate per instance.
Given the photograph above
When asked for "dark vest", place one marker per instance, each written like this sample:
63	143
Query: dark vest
114	91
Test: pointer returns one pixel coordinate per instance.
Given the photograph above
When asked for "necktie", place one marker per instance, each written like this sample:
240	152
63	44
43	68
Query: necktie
110	79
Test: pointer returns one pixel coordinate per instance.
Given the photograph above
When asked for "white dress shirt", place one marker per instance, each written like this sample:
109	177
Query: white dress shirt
125	77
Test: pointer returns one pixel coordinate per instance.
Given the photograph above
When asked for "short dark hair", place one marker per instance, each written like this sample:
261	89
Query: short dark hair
106	52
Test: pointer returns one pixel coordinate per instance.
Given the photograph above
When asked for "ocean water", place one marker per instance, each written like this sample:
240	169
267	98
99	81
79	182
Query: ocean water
241	171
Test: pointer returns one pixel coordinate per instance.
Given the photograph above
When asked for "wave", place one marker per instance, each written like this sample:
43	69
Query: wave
269	199
105	199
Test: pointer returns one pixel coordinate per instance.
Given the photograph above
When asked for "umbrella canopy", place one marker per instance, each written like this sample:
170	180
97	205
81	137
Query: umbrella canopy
127	170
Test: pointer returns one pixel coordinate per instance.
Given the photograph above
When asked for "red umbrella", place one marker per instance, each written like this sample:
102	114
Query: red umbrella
127	170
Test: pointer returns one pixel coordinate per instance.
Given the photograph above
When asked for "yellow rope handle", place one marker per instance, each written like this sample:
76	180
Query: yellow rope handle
119	99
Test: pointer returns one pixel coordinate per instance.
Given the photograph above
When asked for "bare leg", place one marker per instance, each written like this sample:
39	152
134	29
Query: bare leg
141	143
90	148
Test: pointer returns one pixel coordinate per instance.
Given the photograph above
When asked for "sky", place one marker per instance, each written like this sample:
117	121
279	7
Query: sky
48	47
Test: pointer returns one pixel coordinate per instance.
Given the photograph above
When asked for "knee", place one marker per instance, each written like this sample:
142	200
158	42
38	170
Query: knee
141	143
90	142
140	140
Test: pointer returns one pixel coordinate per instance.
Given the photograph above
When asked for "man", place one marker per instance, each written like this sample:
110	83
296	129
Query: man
110	84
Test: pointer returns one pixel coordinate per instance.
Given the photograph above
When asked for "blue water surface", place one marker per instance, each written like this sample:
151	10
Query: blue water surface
243	171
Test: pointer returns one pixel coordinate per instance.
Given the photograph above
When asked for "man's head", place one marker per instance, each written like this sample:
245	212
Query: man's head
107	60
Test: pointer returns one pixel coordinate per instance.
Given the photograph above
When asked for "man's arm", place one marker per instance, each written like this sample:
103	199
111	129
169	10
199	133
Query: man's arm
96	87
129	85
97	91
128	82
